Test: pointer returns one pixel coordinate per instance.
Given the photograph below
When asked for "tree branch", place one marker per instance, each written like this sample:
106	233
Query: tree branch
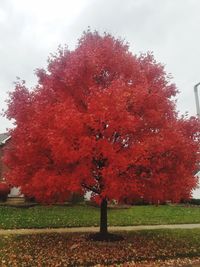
91	188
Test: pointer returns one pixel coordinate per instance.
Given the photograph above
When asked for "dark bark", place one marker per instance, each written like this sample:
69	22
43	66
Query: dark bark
91	188
103	218
103	235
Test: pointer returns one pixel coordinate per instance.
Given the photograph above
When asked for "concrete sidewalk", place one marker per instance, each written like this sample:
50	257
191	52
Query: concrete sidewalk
95	229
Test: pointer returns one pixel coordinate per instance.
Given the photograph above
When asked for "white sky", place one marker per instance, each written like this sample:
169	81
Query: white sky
31	30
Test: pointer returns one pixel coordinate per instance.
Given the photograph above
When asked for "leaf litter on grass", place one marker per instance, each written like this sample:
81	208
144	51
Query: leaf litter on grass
143	248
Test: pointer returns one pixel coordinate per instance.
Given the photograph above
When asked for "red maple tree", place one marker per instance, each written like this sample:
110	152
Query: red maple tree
102	120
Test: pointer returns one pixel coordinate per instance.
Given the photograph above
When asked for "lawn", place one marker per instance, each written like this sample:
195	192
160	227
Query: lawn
146	248
75	216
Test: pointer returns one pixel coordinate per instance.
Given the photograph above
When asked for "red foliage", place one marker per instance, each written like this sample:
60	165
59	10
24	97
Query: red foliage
101	119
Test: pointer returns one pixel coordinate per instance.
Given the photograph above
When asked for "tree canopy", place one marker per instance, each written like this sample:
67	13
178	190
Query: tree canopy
101	119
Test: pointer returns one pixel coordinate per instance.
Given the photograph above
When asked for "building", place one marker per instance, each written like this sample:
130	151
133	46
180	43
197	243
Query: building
4	139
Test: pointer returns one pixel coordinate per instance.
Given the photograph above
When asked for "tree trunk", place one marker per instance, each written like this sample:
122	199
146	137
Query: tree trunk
103	235
103	218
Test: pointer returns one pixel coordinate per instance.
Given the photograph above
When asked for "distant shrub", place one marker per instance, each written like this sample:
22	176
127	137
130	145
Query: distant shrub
194	201
4	191
91	203
76	198
29	199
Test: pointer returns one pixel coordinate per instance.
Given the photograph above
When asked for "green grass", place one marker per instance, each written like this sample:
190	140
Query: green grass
75	216
144	215
48	216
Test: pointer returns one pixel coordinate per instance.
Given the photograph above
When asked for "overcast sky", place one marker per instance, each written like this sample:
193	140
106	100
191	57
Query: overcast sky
31	30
